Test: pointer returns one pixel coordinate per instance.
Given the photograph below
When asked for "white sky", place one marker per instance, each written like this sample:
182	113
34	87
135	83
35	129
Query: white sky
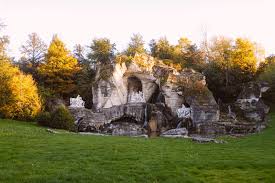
79	21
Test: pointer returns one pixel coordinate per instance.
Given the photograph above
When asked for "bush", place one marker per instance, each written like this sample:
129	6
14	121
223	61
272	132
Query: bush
62	119
44	118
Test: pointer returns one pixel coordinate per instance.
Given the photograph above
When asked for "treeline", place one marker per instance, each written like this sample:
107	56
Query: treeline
55	72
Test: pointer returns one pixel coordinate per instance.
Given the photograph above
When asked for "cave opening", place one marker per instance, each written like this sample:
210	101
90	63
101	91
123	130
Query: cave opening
135	93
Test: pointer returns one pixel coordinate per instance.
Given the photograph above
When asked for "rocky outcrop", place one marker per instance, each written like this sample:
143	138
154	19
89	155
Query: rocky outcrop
147	96
249	103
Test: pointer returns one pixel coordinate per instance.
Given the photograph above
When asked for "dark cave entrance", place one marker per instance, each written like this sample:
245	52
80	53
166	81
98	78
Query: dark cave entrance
134	86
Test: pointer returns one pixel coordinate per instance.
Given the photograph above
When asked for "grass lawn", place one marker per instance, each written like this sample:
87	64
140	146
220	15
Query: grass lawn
28	153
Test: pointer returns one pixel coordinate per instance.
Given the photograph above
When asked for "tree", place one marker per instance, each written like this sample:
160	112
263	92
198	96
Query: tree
188	55
59	69
265	64
244	58
153	47
267	74
102	51
79	54
230	65
4	41
34	50
19	97
85	77
161	49
220	54
136	45
182	55
33	54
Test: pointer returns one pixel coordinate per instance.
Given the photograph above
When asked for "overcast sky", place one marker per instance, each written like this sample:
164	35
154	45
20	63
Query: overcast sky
79	21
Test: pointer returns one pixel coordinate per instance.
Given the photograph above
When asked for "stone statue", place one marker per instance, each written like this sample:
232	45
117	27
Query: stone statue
77	102
231	114
137	97
184	112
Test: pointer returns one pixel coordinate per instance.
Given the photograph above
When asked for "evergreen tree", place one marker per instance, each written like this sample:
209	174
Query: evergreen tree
85	77
102	51
136	45
161	49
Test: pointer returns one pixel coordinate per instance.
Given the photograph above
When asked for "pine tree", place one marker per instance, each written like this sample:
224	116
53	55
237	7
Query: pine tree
136	45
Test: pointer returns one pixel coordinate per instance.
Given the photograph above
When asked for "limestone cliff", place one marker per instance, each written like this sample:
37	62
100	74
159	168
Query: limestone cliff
145	95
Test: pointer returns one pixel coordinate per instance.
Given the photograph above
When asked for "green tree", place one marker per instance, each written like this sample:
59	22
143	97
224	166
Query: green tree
136	45
188	55
102	51
161	49
59	70
85	77
265	64
267	74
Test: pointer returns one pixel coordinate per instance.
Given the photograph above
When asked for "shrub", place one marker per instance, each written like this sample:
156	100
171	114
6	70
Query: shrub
44	118
62	119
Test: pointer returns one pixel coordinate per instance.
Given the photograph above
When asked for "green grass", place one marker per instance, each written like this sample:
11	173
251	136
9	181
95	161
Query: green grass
30	154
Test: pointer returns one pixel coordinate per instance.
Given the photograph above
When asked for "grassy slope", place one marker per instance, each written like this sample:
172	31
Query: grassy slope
30	154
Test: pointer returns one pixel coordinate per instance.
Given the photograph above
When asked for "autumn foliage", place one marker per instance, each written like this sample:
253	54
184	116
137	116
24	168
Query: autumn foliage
59	70
19	97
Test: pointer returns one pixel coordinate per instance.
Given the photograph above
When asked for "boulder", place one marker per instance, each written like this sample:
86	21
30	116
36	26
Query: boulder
249	103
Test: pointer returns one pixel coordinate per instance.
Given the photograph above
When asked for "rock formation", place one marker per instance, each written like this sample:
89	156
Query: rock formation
146	96
249	101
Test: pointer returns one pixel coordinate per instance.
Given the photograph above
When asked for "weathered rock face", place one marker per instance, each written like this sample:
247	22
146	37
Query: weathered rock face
249	103
189	87
147	95
122	86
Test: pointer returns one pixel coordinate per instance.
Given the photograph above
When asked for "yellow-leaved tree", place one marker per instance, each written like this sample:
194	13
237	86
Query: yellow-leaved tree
19	97
244	56
59	70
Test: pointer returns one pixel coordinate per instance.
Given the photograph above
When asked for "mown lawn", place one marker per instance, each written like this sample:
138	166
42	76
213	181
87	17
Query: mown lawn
29	153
